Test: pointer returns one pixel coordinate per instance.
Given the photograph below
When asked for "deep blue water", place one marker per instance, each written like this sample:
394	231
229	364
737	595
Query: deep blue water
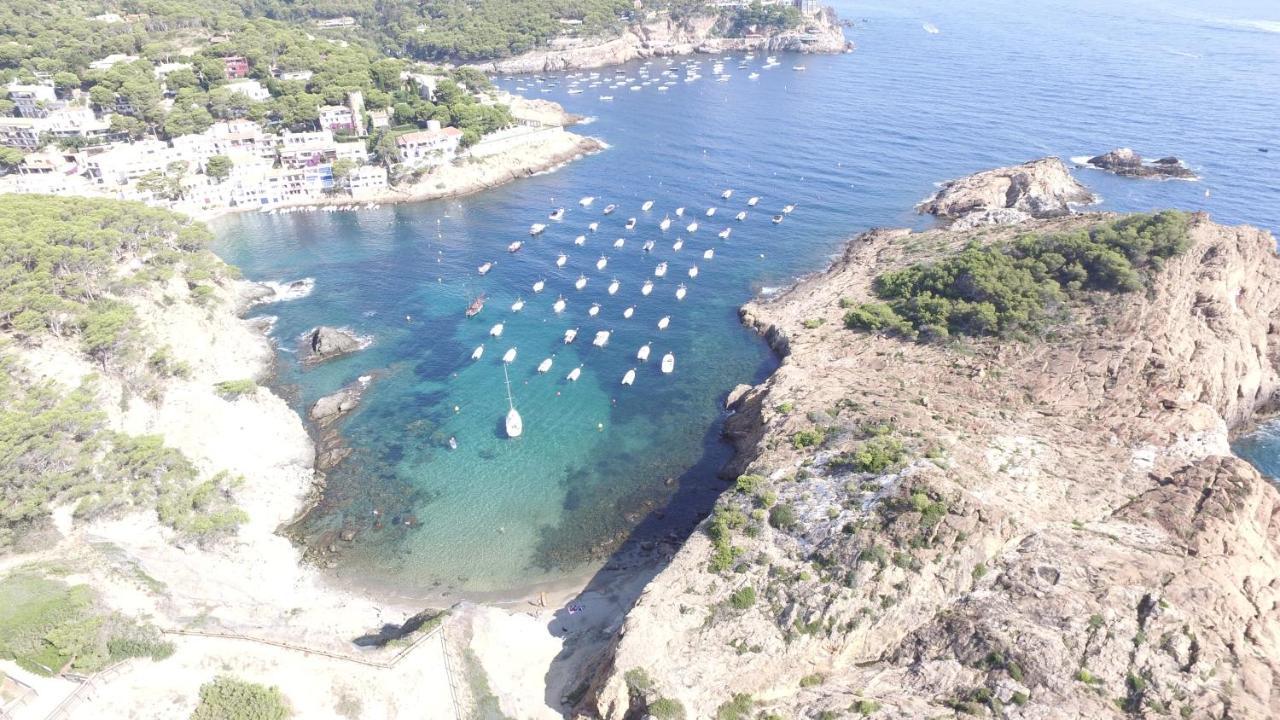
853	141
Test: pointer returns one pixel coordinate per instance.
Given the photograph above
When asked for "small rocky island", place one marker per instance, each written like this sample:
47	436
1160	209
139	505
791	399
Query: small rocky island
1038	189
324	343
1126	162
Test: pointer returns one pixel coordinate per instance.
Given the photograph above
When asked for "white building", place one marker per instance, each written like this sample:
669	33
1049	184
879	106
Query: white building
307	148
380	118
429	148
251	89
111	61
336	118
126	163
296	75
367	181
34	101
22	133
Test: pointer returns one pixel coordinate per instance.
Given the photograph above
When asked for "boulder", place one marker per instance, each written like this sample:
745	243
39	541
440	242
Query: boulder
736	395
326	342
1039	189
1124	161
331	407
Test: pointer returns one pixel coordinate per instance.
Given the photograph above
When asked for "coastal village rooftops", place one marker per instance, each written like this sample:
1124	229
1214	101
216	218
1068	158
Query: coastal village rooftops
428	137
251	89
111	61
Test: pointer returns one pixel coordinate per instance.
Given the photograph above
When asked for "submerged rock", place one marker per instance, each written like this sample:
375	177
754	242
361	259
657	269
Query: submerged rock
1038	189
326	342
1124	161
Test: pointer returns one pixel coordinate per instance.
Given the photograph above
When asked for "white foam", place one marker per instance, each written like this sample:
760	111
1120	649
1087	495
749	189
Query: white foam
285	291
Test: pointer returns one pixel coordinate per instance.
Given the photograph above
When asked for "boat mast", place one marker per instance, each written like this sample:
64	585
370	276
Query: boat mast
510	402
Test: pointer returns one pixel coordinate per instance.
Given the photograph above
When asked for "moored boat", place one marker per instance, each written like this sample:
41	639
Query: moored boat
664	322
647	287
679	243
608	209
536	228
518	305
693	271
726	194
544	366
711	212
666	223
476	305
619	242
509	356
587	200
680	291
478	352
777	219
668	362
630	377
751	202
570	335
613	286
496	330
602	262
648	205
631	223
679	212
725	233
580	240
631	310
581	282
594	310
539	285
484	268
643	353
556	214
574	374
514	425
561	260
660	270
593	226
601	339
692	227
786	209
740	216
558	307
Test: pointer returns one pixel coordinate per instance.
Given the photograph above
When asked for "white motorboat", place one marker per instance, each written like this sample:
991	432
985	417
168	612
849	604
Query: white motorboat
509	356
484	268
786	209
608	209
693	271
680	292
556	214
561	260
514	424
581	282
586	201
679	212
496	330
593	226
679	243
725	233
574	374
536	228
754	76
751	201
477	353
558	307
777	219
513	247
631	223
544	366
740	216
580	240
570	335
709	253
630	377
711	212
643	353
726	194
602	262
660	270
647	206
668	363
631	310
594	310
647	246
664	322
518	305
666	223
619	242
692	227
647	287
613	286
539	285
601	339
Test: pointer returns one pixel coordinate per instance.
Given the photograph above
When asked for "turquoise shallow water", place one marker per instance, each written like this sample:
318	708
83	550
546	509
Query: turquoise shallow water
854	141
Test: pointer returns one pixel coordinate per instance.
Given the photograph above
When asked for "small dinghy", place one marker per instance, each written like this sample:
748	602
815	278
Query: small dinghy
777	219
570	335
601	339
485	268
668	363
602	262
509	356
709	253
593	226
679	243
586	201
786	210
560	261
594	310
631	223
574	374
647	246
692	227
679	212
537	228
518	305
711	212
619	242
580	240
538	286
725	233
666	223
660	270
581	282
726	194
740	216
544	366
643	353
477	353
693	271
752	201
647	287
647	206
556	214
664	322
630	377
496	330
558	307
608	209
613	286
680	291
515	246
631	310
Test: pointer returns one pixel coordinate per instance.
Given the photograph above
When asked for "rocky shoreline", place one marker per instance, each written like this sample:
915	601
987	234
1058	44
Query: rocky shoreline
822	33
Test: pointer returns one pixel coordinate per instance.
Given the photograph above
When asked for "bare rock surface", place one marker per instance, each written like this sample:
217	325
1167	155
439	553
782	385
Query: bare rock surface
1124	161
1041	188
324	343
1067	534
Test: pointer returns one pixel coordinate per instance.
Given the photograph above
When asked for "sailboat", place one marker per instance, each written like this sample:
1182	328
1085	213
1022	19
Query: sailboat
680	291
668	363
679	212
544	366
536	228
580	240
726	194
692	227
679	243
496	330
693	271
602	262
478	352
740	216
613	286
724	234
631	309
574	374
558	307
581	282
711	212
518	305
666	223
647	287
593	226
664	322
777	219
537	287
648	204
601	339
569	335
594	310
586	201
630	377
509	356
515	246
643	353
660	270
514	424
561	260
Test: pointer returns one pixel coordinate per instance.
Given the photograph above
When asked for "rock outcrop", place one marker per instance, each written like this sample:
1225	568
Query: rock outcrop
1124	161
336	406
820	33
1065	535
1038	189
325	343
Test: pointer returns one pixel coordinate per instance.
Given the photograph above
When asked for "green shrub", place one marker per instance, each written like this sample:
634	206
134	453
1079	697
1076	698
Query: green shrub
232	389
814	323
812	679
737	707
748	484
638	681
873	456
866	707
743	598
229	698
782	517
808	438
666	709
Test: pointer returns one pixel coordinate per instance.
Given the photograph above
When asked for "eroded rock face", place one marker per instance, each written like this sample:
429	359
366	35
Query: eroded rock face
1124	161
1067	536
1041	188
325	343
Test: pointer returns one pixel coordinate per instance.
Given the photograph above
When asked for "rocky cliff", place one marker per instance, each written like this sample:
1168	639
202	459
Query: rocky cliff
1043	529
820	33
1037	189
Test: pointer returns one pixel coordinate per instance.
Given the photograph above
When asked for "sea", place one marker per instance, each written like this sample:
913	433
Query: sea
934	90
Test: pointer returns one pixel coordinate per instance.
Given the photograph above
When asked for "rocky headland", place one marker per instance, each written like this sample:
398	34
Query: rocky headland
1124	161
1052	527
1041	188
663	37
